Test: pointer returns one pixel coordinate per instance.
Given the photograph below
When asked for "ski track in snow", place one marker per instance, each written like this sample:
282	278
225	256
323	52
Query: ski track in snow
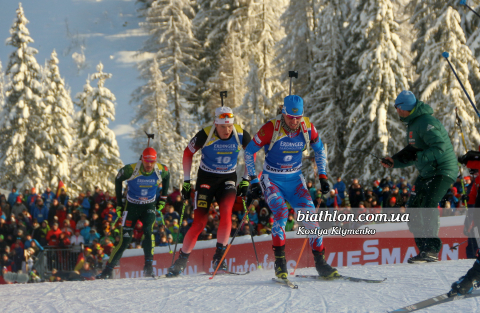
406	284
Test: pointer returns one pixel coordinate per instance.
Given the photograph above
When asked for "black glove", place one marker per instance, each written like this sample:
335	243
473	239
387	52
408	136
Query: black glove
464	198
256	190
187	188
470	156
242	188
324	186
407	154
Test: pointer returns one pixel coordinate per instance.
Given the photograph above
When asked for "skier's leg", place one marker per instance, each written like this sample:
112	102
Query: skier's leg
300	199
277	204
436	188
415	215
148	244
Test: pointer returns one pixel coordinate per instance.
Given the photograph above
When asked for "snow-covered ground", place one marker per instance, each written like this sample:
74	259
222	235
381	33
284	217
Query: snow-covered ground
406	284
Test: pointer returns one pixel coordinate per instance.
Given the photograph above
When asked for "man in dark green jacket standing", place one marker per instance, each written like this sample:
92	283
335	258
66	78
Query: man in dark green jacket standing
428	148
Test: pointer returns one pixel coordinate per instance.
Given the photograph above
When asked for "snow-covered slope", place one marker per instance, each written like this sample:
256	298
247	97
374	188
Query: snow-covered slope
104	31
406	284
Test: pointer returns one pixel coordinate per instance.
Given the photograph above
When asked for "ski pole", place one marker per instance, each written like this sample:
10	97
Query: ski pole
245	217
446	55
455	247
292	74
464	2
301	252
178	234
254	249
459	123
223	94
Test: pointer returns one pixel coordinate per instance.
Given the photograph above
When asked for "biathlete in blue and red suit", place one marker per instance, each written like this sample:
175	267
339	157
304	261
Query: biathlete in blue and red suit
217	177
284	139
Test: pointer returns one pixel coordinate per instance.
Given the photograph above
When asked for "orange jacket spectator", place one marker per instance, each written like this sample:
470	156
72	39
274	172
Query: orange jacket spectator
54	231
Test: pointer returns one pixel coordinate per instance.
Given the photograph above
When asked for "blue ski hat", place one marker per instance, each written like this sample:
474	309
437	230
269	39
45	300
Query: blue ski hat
406	101
293	105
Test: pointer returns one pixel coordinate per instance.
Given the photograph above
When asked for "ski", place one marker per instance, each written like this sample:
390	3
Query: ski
285	282
341	277
227	273
436	301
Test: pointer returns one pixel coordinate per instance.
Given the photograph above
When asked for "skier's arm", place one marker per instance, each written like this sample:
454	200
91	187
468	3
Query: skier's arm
245	141
195	144
124	174
320	155
262	138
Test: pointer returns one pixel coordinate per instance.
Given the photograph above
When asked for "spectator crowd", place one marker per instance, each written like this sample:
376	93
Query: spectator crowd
32	221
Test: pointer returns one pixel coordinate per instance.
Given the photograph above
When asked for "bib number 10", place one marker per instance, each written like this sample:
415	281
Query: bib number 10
223	160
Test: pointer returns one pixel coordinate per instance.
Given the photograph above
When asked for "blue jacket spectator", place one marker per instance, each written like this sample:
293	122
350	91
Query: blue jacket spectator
32	199
40	211
83	201
12	197
331	199
340	187
48	197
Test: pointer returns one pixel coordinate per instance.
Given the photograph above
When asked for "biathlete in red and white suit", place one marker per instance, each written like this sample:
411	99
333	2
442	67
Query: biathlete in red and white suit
284	139
216	178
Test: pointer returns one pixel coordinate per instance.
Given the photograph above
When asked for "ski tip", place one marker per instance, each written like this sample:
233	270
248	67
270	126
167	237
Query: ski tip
445	55
463	2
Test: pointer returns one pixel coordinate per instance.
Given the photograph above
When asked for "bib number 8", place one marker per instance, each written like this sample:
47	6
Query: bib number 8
223	160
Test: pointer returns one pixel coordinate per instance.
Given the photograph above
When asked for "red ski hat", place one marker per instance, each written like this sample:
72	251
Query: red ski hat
149	155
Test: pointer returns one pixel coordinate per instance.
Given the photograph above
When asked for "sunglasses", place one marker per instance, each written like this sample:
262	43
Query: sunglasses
226	115
396	105
294	117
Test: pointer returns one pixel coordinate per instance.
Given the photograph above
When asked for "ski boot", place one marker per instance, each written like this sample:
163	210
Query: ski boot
467	283
218	256
180	264
106	273
323	268
280	262
148	269
424	257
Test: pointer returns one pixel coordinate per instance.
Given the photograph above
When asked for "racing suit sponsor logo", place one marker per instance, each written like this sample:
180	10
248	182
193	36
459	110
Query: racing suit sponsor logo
128	223
225	147
286	170
205	186
191	145
294	145
202	197
285	166
230	182
217	170
202	204
257	139
146	181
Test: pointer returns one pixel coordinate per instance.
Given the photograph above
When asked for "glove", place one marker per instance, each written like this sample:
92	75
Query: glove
119	212
256	190
324	186
407	154
465	198
242	188
470	156
161	205
187	188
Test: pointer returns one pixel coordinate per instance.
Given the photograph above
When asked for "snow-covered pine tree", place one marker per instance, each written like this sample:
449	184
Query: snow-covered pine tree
170	24
437	85
2	85
376	75
471	27
295	50
23	114
324	104
97	148
58	131
153	116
